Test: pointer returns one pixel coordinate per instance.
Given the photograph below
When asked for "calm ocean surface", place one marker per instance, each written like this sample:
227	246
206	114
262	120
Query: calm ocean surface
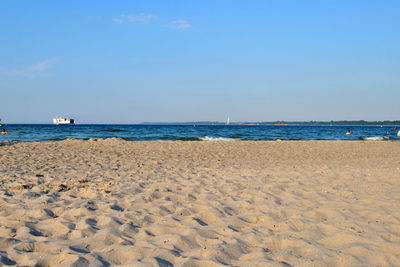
46	132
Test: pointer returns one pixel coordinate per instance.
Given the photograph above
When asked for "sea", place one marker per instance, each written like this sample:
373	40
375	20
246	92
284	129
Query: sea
49	132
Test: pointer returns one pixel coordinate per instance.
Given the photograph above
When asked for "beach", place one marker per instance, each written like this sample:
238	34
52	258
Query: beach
200	203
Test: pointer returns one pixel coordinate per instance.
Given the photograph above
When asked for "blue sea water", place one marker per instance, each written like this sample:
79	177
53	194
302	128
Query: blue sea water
47	132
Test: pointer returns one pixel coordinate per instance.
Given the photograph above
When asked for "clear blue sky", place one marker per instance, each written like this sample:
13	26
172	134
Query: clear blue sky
134	61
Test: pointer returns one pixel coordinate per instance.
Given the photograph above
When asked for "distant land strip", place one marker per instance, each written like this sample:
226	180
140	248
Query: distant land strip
290	123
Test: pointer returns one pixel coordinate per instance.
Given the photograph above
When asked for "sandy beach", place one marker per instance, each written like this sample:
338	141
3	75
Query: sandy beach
267	203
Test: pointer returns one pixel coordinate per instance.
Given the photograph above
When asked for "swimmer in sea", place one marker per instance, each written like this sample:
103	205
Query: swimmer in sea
4	132
348	132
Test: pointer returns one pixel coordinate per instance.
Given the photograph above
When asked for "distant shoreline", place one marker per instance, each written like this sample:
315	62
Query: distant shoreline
284	123
212	124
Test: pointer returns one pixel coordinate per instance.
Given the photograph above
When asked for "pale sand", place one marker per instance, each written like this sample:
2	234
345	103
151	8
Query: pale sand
112	202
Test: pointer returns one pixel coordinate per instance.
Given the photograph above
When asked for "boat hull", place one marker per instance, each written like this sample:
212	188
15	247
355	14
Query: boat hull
58	121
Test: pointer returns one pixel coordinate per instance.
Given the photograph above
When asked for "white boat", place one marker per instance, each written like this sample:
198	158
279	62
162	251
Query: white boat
59	120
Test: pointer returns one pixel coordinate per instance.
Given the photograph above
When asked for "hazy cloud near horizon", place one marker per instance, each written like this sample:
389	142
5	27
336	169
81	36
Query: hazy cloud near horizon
33	70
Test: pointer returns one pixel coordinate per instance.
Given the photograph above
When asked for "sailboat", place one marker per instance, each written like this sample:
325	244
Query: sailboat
227	121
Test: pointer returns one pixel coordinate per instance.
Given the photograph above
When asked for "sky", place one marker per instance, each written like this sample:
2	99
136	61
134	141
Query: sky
173	61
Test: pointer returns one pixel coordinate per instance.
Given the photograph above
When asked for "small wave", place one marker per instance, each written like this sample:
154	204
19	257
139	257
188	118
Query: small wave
375	138
113	130
165	138
208	138
129	138
236	136
180	138
188	138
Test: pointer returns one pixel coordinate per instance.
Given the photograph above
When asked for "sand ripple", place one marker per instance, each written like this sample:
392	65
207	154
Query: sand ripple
112	202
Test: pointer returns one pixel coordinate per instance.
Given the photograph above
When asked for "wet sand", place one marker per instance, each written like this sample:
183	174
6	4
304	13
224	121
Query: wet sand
113	202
